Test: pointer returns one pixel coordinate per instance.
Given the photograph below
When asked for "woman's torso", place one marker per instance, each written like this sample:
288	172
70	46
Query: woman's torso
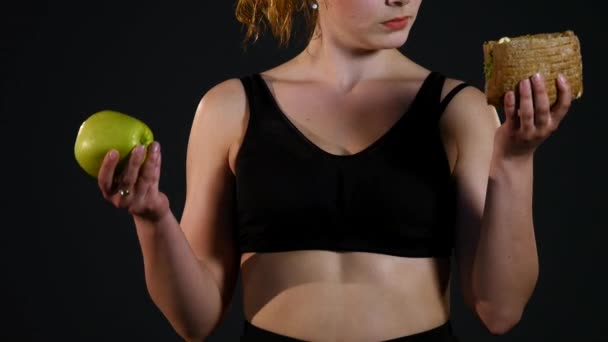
324	295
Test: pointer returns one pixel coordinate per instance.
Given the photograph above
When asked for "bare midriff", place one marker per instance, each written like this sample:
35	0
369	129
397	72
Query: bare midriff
318	295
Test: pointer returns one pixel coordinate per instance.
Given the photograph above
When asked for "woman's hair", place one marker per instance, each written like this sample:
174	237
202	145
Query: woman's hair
278	15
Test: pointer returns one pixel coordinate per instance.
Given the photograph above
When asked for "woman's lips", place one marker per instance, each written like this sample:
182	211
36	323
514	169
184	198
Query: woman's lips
397	23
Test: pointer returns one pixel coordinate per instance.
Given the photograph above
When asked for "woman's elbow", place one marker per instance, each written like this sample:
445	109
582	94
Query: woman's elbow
498	320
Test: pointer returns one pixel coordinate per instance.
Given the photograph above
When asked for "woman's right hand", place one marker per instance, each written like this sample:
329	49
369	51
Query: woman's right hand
136	187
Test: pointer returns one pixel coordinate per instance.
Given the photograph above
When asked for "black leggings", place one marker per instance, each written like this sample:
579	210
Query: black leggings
442	333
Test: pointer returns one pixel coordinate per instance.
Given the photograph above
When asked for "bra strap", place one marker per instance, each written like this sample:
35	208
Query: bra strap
444	103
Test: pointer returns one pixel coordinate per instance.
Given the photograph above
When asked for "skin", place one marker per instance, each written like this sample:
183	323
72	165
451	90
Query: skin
353	69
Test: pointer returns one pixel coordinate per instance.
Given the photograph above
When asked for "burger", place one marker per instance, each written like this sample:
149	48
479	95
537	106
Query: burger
508	61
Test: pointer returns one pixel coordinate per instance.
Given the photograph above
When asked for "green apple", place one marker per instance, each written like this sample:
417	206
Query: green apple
106	130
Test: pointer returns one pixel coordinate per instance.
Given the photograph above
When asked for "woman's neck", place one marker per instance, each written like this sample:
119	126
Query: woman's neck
342	67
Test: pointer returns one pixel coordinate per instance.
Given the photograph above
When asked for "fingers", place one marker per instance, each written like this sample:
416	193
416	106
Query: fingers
105	177
510	107
126	182
150	172
541	102
136	188
526	107
564	99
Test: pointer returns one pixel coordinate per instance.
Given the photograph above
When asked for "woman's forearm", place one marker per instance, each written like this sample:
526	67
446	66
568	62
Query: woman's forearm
506	264
178	282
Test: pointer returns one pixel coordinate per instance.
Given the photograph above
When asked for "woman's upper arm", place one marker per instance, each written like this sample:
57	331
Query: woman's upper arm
207	219
470	123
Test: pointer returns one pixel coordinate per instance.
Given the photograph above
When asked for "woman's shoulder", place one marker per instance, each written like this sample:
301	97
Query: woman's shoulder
285	72
463	93
224	96
466	111
223	106
467	93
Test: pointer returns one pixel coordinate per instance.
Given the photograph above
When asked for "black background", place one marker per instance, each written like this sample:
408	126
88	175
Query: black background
71	264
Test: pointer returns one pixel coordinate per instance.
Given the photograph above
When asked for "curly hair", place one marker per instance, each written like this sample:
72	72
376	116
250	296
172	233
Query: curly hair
278	15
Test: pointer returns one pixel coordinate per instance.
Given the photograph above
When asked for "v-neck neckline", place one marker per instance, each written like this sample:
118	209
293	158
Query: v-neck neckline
365	150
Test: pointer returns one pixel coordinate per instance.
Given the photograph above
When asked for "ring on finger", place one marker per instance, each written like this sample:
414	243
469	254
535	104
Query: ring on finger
123	192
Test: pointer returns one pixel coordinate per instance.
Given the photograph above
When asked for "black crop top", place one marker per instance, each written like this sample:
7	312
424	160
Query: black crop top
395	197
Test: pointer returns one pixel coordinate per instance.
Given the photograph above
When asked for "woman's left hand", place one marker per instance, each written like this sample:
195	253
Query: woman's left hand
526	127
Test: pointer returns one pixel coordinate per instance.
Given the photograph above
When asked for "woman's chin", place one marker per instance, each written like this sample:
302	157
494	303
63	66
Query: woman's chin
392	40
390	43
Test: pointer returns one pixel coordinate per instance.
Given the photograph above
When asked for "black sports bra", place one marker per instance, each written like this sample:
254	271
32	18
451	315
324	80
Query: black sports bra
395	197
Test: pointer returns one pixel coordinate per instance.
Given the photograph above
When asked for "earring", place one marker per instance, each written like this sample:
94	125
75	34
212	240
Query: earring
315	5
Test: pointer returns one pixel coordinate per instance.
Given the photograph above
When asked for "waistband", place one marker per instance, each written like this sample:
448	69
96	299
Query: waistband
442	333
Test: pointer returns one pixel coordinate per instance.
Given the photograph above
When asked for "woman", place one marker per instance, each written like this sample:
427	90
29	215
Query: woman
338	183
